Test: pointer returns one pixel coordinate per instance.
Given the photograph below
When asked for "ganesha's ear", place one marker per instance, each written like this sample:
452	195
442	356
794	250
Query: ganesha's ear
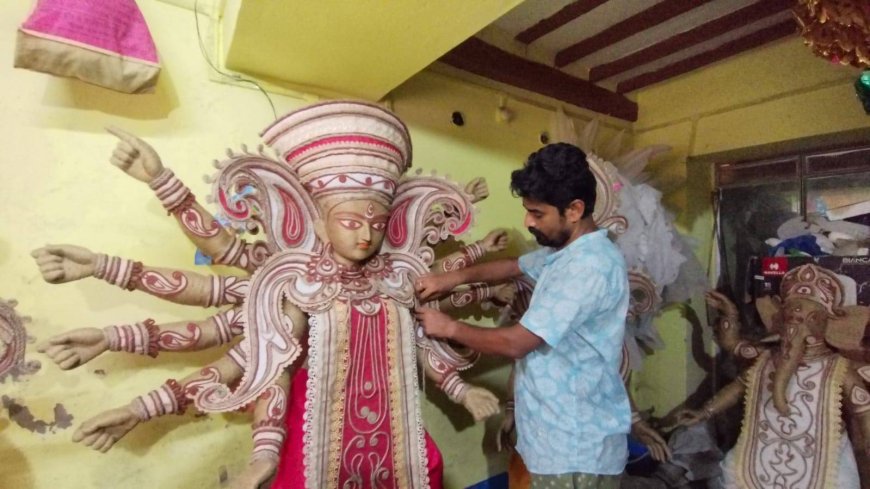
768	307
846	331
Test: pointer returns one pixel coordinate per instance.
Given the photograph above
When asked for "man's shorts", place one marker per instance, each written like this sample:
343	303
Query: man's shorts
576	480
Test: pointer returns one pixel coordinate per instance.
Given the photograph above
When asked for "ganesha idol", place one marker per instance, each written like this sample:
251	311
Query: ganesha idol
806	404
329	351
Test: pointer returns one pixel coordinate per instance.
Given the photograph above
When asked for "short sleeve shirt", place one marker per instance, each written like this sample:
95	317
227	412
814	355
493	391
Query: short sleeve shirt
572	409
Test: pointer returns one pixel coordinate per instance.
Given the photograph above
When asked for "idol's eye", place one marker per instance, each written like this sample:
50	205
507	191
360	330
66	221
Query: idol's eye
350	223
379	226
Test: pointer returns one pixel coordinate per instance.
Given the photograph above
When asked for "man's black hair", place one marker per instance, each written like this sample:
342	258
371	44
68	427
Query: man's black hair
556	174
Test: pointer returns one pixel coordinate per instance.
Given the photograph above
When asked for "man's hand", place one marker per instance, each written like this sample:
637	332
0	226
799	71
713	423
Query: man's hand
657	445
480	402
60	264
689	417
435	285
75	348
435	323
135	157
507	433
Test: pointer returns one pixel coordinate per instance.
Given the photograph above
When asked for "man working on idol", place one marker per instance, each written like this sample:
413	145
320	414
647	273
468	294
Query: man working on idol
572	410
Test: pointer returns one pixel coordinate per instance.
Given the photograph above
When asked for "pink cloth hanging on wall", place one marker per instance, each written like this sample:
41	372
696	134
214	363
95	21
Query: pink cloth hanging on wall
104	42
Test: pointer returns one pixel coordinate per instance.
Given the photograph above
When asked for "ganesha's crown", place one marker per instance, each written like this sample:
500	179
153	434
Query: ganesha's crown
816	284
343	150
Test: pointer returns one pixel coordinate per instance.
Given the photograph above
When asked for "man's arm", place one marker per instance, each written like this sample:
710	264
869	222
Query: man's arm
511	341
434	286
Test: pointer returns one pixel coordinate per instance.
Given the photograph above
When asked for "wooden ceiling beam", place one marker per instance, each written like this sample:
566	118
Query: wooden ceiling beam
641	21
563	16
750	41
702	33
480	58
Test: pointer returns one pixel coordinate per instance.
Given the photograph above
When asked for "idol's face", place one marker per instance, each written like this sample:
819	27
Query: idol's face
356	229
799	313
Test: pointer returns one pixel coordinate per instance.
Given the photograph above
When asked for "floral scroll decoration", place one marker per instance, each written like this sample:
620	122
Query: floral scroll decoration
256	192
13	338
837	30
607	187
644	296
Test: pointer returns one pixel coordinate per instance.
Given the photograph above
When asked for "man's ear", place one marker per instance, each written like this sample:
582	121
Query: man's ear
574	211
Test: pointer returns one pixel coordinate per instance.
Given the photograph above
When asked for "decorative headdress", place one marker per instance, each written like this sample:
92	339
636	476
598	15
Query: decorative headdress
343	150
816	284
607	188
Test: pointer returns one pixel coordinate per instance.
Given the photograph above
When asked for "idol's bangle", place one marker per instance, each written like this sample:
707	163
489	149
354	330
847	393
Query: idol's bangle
140	338
117	271
166	399
173	194
455	388
268	440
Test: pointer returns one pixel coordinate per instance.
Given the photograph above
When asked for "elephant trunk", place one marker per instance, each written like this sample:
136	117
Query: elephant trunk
792	350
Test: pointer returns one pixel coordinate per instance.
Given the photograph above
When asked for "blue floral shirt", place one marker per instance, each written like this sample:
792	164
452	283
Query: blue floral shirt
572	410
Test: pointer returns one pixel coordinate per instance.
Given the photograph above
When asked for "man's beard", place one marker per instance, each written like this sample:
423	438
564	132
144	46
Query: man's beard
556	242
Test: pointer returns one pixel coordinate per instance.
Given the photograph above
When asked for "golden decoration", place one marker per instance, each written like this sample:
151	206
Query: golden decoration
838	30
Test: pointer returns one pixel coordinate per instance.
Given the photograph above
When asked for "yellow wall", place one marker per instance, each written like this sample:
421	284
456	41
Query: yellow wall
775	94
58	187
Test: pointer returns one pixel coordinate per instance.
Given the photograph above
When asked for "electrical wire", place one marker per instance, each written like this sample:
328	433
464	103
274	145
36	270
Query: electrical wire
232	76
